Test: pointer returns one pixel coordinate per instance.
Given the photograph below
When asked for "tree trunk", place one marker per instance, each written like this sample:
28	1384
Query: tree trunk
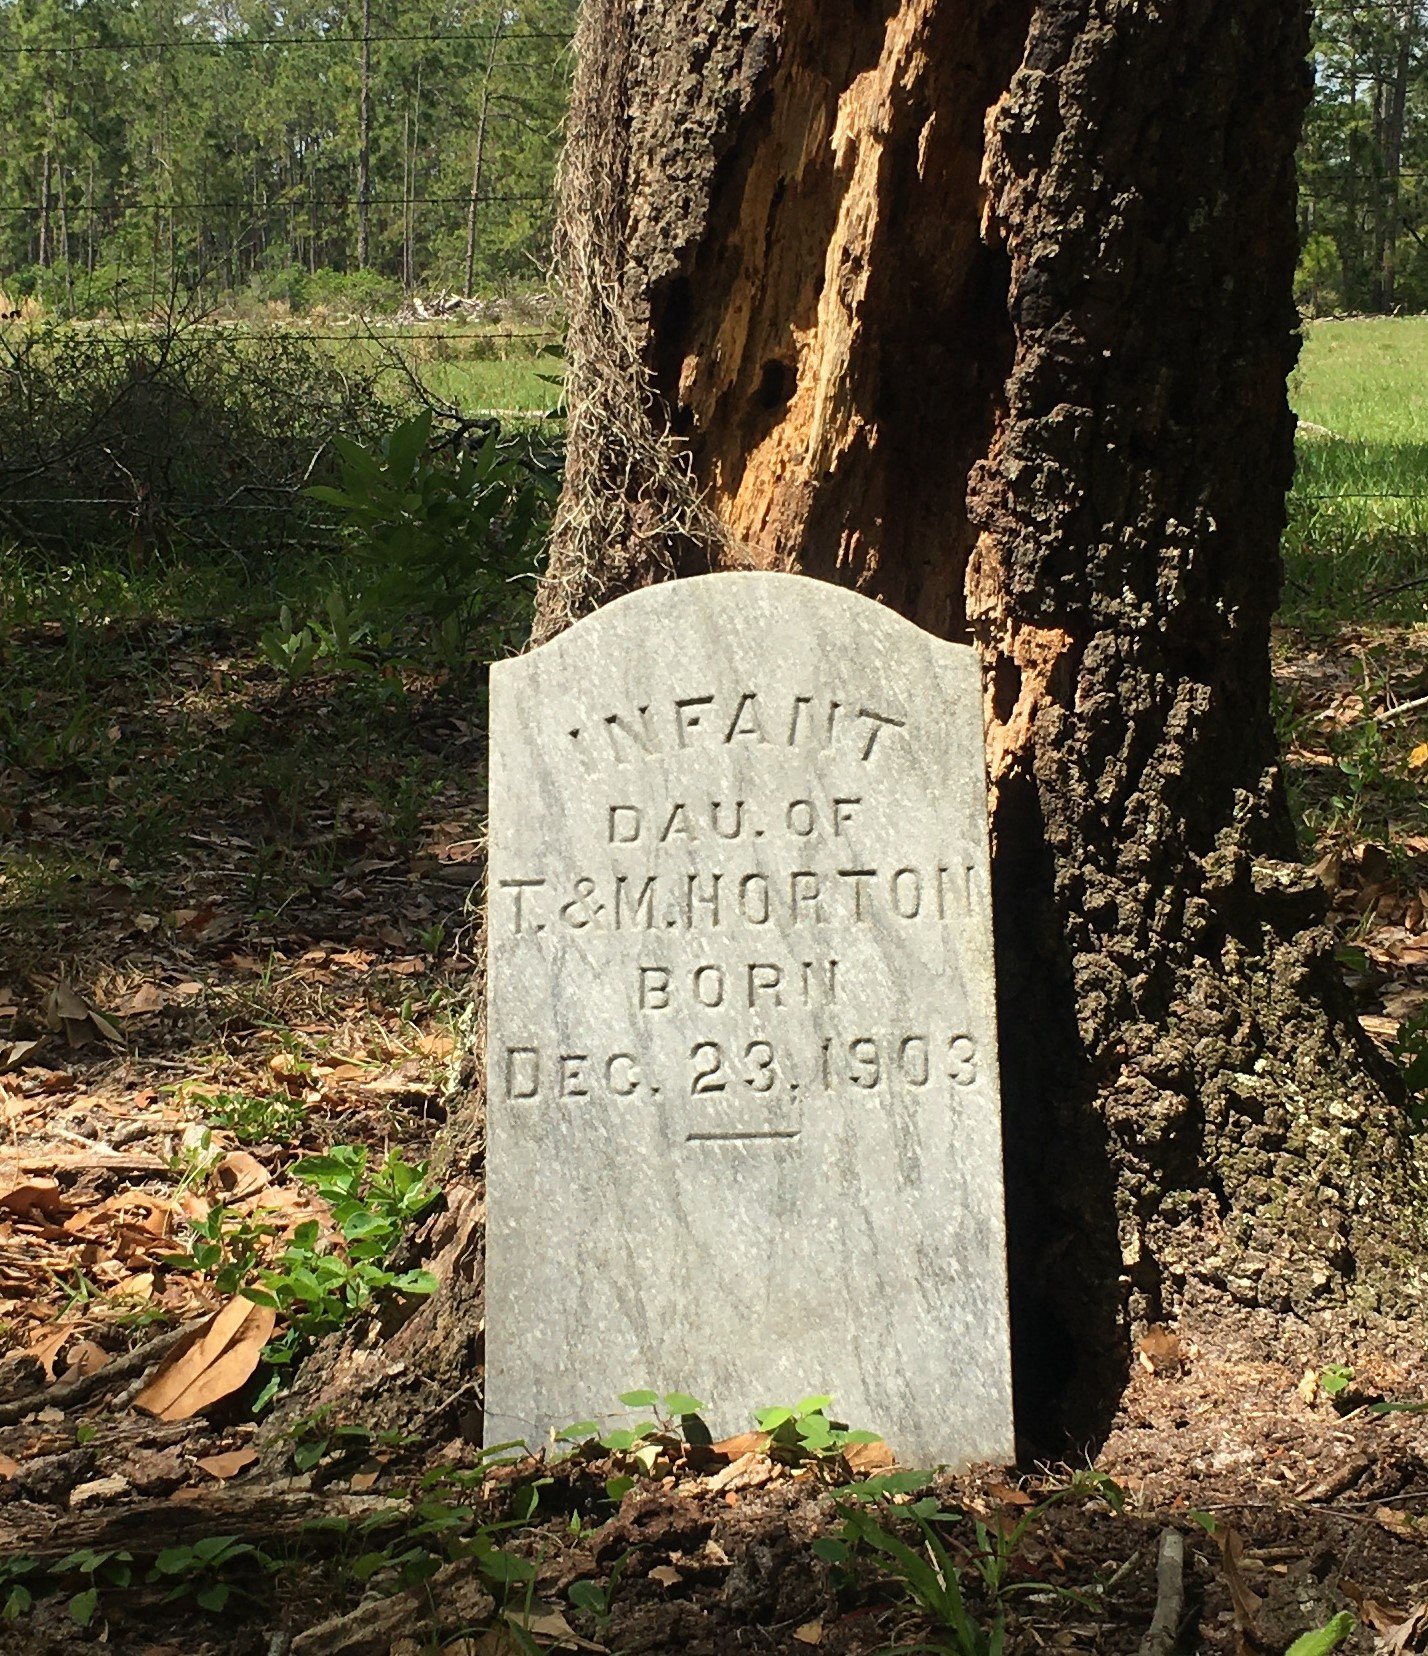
1393	151
983	308
478	160
364	139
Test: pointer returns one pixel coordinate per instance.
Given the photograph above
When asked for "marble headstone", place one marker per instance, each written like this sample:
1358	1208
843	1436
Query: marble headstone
744	1133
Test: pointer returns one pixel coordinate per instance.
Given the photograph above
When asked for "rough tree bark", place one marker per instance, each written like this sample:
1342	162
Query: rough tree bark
983	307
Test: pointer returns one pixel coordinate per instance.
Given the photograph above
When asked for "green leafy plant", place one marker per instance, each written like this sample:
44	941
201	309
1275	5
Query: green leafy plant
672	1420
1410	1049
202	1570
408	1543
98	1570
1335	1379
596	1601
449	541
926	1567
289	649
314	1286
927	1573
224	1247
1324	1639
253	1118
805	1431
320	1436
14	1588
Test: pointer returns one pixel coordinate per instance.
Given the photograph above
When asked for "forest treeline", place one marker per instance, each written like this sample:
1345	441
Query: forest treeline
341	152
262	152
1363	166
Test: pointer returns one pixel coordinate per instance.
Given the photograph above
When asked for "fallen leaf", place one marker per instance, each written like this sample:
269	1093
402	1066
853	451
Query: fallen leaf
1381	1617
866	1459
747	1472
811	1633
1419	757
240	1174
68	1013
547	1624
745	1443
219	1359
1409	1635
8	1467
1011	1497
14	1053
1246	1602
98	1489
85	1357
1161	1352
49	1346
35	1198
148	997
1402	1524
361	1482
666	1575
227	1465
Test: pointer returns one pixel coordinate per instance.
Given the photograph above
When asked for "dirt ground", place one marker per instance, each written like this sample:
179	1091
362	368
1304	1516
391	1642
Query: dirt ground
271	961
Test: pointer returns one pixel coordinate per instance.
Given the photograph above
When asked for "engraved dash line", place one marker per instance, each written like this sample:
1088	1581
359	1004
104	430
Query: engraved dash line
741	1138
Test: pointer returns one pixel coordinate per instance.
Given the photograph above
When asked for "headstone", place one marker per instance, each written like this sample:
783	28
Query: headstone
744	1128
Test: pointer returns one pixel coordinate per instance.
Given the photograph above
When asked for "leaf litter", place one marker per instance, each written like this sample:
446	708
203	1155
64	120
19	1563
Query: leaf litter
278	972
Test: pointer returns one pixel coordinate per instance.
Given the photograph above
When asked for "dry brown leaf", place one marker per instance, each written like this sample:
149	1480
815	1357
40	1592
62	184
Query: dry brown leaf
227	1465
36	1197
8	1467
1161	1352
1402	1524
1380	1617
85	1357
547	1625
1419	757
14	1053
213	1365
867	1459
747	1472
49	1345
811	1633
68	1013
240	1174
1009	1496
744	1443
1246	1602
361	1482
666	1575
1409	1635
148	997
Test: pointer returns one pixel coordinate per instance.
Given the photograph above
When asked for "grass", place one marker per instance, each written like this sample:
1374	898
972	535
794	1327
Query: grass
1357	541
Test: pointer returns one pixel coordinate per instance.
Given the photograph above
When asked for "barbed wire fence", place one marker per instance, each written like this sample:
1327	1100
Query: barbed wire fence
125	412
421	329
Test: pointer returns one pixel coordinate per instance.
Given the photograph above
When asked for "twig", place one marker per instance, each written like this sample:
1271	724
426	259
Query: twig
1390	713
1169	1596
85	1385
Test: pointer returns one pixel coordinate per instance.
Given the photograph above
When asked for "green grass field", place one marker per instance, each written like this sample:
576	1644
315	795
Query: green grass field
1357	543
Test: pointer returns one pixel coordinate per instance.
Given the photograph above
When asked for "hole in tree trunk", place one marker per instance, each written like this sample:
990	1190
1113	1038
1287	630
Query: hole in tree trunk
777	384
